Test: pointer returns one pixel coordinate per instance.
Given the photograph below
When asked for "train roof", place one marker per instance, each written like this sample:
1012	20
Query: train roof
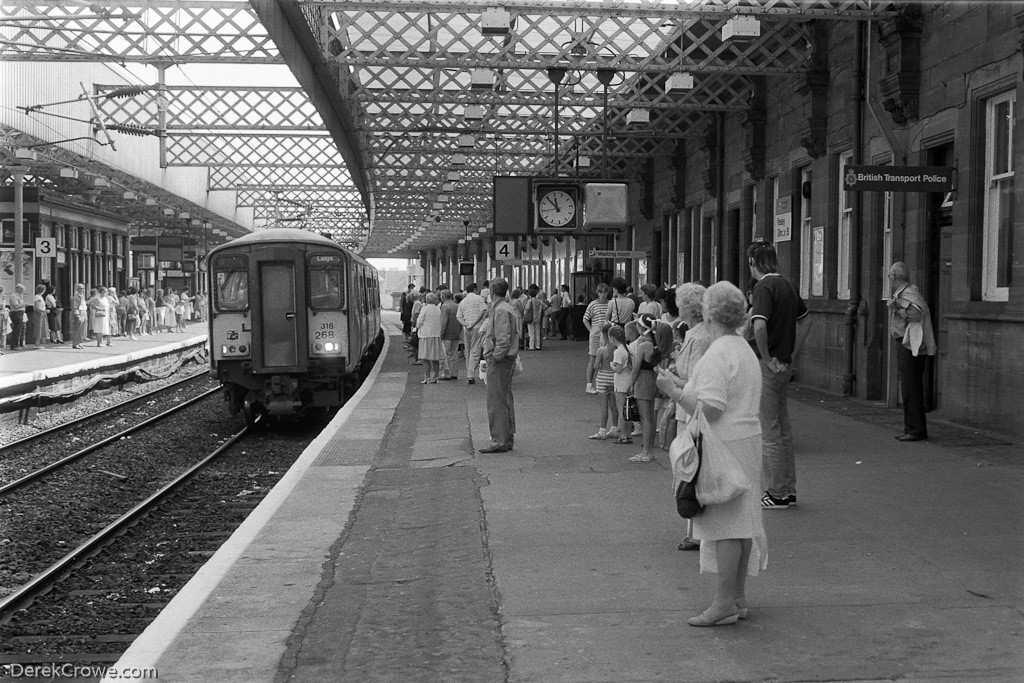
293	235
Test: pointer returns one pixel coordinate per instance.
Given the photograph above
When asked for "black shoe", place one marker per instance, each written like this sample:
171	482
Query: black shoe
791	498
911	437
493	449
770	502
470	381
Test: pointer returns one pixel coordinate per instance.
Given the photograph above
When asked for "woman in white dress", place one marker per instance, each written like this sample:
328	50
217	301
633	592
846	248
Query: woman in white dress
99	306
726	383
428	327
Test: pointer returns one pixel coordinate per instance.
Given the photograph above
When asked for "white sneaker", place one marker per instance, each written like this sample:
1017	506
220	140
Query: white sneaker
640	457
601	434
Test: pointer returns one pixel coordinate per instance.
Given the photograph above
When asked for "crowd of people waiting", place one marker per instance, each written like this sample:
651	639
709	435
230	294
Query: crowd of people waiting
100	314
441	327
667	359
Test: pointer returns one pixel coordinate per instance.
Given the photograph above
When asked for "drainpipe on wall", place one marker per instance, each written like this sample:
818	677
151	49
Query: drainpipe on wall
856	222
722	274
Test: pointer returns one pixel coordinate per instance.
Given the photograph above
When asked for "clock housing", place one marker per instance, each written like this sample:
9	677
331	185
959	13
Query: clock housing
557	207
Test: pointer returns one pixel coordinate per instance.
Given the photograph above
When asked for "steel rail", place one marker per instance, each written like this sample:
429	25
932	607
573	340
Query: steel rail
18	483
91	416
45	579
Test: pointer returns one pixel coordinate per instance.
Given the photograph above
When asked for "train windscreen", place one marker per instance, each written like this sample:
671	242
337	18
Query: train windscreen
325	282
231	283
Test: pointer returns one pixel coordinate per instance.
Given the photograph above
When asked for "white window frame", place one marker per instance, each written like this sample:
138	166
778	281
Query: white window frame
805	235
753	212
995	181
845	215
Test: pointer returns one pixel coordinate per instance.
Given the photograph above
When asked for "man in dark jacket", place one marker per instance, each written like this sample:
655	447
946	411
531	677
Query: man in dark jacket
451	333
406	306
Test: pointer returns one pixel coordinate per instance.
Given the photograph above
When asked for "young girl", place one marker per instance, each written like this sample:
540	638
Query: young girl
593	320
622	366
645	388
604	382
665	409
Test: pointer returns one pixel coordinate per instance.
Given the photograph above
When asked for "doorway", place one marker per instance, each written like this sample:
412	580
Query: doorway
938	266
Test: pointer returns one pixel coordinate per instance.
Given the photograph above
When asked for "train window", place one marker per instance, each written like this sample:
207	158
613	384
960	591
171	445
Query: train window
231	283
325	279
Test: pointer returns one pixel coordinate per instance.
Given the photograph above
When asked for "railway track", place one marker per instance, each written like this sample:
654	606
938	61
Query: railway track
87	605
45	579
39	473
100	415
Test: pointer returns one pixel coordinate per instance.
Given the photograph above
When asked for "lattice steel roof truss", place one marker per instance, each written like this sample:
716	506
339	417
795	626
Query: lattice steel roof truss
436	104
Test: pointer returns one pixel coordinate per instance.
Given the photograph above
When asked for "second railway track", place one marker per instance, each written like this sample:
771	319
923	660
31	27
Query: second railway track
47	516
92	614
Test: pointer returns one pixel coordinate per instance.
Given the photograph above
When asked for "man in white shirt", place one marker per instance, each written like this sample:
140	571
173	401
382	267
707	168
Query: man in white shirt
554	308
471	312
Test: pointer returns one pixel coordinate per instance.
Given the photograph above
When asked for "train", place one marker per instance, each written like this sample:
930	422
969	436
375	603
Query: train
294	322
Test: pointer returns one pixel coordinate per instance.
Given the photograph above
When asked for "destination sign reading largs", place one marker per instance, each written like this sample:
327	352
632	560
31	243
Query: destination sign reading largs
898	178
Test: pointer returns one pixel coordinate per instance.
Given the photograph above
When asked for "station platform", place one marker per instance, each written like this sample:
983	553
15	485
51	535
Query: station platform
30	368
393	551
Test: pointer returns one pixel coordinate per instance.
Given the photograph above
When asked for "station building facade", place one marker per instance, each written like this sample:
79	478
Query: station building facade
942	85
90	245
940	88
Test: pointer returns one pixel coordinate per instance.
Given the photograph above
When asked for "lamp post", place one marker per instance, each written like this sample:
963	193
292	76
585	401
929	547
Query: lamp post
556	74
18	173
206	250
605	77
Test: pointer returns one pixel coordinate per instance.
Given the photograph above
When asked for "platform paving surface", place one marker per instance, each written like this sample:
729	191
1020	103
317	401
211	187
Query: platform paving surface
558	561
402	554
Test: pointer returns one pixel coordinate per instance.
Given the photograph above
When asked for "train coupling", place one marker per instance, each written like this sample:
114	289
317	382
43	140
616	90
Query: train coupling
283	396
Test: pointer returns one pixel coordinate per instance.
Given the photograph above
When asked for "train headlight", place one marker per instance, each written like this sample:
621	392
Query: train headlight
330	346
318	347
243	348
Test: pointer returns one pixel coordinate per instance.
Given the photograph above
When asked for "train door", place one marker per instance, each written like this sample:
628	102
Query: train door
278	308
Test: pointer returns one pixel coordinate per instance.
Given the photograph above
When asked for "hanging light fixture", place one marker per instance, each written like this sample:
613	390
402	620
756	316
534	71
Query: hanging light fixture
679	81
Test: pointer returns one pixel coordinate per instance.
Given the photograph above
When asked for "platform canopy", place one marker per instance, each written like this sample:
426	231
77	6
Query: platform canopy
404	110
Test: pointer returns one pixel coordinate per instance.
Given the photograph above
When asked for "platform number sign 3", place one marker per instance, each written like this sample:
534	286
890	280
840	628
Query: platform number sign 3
46	247
503	250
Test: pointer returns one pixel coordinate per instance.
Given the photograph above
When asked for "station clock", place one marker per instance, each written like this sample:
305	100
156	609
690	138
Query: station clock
557	207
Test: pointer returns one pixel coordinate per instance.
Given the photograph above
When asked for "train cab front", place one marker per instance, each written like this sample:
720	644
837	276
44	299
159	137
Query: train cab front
279	342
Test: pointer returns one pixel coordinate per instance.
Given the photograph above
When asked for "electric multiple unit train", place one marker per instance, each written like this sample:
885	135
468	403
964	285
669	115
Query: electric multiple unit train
294	321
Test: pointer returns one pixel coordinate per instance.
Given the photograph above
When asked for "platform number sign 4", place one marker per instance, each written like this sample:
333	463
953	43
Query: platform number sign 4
46	247
504	250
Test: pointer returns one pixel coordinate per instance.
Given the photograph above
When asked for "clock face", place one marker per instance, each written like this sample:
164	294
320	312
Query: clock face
556	208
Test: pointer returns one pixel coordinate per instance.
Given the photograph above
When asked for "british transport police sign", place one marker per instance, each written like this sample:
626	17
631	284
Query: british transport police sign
898	178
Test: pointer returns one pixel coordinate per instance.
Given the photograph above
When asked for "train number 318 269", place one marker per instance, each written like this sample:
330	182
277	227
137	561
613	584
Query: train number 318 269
326	331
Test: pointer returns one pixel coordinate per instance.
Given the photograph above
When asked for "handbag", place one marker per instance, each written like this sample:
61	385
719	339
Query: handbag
631	409
721	478
685	455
